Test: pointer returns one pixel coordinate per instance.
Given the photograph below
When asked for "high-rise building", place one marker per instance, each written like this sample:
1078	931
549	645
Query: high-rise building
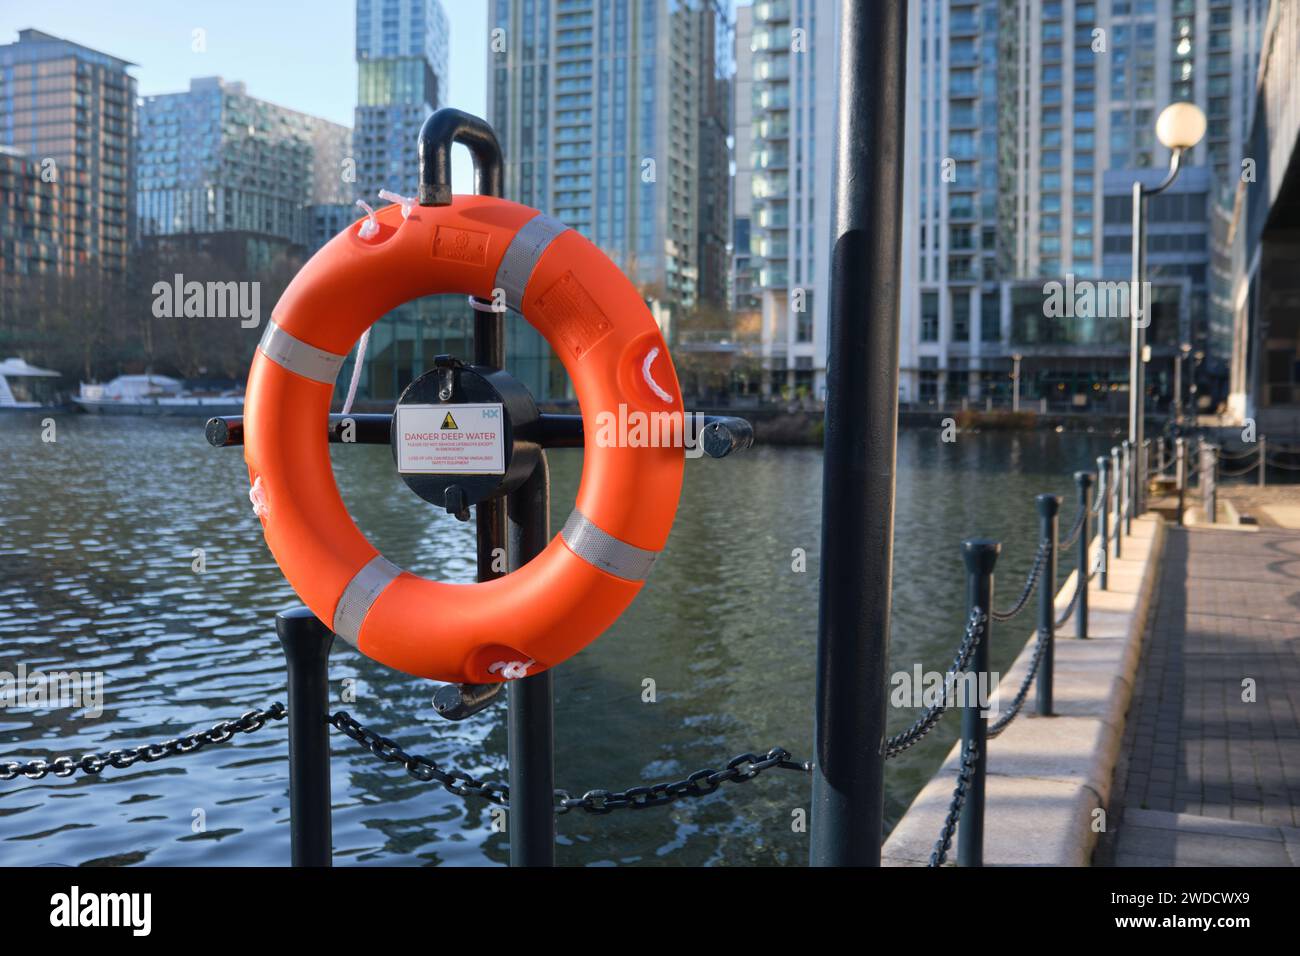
31	220
1264	233
1026	125
610	114
71	110
745	298
401	79
216	160
1031	122
789	55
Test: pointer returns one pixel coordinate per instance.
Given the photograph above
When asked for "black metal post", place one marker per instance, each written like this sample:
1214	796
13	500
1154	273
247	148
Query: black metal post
1120	481
860	439
531	720
1263	461
1104	483
306	643
509	534
1129	454
1180	469
1084	480
440	131
980	555
1049	508
1210	480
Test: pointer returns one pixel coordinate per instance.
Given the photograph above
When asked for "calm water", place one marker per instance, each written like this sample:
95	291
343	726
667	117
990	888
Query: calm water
97	533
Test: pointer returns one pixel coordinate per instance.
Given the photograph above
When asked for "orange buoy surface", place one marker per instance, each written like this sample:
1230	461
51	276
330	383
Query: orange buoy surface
598	326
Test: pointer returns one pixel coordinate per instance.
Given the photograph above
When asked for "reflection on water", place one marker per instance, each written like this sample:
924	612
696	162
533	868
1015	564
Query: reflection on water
97	551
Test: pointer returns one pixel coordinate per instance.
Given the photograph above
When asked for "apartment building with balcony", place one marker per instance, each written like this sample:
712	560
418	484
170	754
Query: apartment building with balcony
613	117
215	159
1031	121
69	110
784	134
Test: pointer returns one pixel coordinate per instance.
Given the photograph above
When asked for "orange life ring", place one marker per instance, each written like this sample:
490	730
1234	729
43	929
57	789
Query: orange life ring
600	328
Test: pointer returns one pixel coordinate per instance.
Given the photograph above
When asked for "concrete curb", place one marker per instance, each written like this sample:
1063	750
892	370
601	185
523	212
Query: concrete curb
1047	776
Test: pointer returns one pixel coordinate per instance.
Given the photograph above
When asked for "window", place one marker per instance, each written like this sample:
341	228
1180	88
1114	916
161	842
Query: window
929	317
990	317
960	317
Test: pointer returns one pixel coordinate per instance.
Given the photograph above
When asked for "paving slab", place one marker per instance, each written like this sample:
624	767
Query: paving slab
1213	729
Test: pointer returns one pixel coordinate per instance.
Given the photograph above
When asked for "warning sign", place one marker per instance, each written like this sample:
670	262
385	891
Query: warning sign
450	440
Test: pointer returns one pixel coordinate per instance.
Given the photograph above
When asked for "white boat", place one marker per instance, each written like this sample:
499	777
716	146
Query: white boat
20	401
151	394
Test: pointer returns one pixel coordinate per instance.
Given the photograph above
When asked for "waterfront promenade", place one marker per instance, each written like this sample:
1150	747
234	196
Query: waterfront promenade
1209	769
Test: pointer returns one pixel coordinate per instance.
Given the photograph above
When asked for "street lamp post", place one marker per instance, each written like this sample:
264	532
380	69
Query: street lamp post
1179	127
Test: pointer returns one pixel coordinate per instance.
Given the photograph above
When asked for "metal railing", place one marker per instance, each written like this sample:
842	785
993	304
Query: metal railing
1215	464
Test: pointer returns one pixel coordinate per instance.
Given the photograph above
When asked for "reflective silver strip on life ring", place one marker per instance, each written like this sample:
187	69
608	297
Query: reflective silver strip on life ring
360	594
602	550
299	357
522	254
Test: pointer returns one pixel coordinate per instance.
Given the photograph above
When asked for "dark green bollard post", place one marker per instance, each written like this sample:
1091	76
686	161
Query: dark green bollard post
1103	530
1117	473
980	555
306	643
1130	458
1084	480
1049	508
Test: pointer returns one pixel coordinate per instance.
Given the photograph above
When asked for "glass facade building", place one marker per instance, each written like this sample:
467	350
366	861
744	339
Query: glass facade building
214	159
613	118
402	77
1029	122
71	110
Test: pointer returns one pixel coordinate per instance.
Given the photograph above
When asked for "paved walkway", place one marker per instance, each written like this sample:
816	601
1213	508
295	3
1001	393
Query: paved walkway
1204	777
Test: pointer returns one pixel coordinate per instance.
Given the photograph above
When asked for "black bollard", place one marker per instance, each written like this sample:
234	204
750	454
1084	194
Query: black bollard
980	555
306	643
1117	473
1049	508
1180	468
1129	457
1103	531
1084	480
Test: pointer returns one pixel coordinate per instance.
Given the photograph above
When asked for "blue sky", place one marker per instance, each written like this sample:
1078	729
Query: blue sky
297	53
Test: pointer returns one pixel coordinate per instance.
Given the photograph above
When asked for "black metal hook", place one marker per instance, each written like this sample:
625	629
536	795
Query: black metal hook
445	127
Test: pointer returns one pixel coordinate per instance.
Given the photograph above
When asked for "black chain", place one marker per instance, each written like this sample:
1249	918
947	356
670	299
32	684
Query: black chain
121	759
739	769
1079	585
941	845
1018	701
1039	560
1073	536
930	716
